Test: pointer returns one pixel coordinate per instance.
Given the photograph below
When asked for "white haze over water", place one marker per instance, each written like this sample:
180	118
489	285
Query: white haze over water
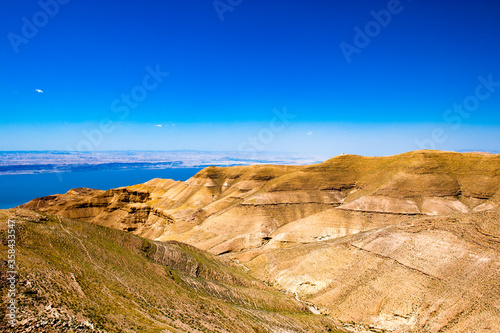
322	140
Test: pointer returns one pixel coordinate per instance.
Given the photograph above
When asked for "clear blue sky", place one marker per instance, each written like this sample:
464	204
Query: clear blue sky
61	80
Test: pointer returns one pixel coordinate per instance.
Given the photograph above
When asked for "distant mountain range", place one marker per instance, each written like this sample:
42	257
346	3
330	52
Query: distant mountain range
478	150
31	162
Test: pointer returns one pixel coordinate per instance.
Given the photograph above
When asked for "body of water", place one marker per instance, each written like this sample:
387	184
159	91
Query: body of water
18	189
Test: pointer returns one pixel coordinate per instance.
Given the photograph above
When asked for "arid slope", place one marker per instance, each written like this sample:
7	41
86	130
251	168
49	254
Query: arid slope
433	274
226	210
79	277
405	243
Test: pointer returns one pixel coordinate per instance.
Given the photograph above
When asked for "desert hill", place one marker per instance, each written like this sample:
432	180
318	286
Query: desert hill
230	209
79	277
405	243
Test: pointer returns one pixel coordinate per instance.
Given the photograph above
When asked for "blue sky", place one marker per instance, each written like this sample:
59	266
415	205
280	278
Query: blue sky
395	93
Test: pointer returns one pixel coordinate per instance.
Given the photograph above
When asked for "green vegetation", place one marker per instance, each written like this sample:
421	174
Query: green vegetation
76	276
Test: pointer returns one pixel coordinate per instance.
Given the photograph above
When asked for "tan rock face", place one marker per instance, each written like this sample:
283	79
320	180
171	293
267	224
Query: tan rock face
241	208
427	275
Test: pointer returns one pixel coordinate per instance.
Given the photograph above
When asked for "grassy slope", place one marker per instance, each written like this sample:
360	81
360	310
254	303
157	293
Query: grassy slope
75	276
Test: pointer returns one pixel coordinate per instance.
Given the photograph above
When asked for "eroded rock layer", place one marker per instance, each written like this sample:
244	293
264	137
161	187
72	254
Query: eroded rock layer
405	243
433	274
235	208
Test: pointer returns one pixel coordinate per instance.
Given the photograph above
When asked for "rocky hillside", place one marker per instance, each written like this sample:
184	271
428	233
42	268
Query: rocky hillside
405	243
432	274
78	277
226	210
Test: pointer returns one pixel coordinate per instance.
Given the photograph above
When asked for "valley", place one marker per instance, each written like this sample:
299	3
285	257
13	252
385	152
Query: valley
404	243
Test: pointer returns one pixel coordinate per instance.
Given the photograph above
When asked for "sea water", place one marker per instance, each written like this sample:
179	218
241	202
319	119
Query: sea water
18	189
